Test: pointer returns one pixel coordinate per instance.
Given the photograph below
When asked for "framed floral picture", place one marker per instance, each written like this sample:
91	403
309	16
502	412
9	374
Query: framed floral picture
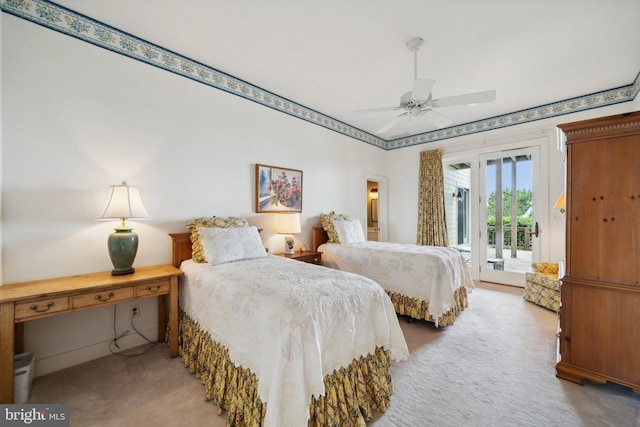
278	189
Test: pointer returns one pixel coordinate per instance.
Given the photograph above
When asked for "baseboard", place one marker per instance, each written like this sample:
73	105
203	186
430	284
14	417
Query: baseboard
68	359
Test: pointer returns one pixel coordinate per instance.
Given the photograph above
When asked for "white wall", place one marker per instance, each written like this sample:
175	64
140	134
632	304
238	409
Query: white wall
79	118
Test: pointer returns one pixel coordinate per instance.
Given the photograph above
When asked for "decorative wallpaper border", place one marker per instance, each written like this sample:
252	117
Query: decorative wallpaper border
66	21
568	106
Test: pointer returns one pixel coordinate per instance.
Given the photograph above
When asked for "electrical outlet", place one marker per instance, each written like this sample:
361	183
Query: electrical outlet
135	310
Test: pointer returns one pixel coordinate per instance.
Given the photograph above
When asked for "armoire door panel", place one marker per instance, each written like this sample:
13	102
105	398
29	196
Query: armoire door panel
585	206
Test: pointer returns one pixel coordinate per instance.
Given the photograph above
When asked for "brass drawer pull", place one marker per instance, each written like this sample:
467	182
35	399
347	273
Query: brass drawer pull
111	295
34	307
153	289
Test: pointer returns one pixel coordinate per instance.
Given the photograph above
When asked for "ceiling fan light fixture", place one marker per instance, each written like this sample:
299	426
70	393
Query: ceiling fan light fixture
416	111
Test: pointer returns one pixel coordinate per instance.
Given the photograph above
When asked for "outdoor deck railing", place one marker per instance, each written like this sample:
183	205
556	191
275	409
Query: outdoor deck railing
523	239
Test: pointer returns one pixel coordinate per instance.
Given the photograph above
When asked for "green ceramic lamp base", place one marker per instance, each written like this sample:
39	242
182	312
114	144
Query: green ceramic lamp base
123	246
116	272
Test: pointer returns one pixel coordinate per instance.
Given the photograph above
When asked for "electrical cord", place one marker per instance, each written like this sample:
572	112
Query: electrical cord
141	334
116	337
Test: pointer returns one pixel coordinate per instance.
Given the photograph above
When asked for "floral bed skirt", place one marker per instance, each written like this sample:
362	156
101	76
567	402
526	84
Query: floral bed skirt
351	393
418	309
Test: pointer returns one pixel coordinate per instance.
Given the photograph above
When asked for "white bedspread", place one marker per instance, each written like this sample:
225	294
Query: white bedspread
291	323
427	273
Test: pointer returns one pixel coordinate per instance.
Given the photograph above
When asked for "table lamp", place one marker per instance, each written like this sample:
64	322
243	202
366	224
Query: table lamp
124	203
289	223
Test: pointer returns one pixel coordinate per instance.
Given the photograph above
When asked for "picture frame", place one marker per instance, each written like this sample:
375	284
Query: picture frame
278	189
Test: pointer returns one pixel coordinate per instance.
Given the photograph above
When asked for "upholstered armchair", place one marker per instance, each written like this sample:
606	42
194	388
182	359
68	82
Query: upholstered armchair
542	286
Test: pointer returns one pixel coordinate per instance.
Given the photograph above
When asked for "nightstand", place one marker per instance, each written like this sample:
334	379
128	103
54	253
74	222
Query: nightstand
307	256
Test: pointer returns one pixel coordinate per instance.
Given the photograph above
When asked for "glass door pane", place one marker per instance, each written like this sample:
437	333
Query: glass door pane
508	238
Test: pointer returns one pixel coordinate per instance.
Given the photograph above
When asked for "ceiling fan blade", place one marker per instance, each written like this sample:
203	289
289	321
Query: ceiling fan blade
467	99
391	124
436	119
421	89
372	110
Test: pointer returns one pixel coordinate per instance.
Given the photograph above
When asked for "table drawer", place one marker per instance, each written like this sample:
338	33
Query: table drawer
153	288
40	307
109	296
311	259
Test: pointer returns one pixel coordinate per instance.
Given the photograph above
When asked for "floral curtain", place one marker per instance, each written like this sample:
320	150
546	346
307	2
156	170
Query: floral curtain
432	228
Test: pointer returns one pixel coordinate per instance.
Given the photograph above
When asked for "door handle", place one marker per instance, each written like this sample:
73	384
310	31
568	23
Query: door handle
536	230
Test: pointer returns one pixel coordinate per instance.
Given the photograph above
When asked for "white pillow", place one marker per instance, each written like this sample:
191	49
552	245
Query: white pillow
349	231
223	245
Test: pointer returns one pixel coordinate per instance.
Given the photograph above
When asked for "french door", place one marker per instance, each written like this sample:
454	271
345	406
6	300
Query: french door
509	217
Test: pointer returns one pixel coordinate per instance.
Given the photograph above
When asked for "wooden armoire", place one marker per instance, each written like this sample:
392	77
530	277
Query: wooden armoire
600	293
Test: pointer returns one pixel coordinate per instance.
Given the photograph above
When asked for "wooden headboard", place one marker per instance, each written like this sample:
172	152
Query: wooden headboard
318	237
180	248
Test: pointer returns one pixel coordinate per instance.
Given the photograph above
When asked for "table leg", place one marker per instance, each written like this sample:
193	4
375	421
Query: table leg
173	317
19	338
7	346
162	318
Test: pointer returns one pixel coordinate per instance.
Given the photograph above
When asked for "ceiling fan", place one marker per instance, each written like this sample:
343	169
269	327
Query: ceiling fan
419	102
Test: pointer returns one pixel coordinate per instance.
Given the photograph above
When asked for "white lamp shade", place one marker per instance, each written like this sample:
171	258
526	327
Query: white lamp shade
559	204
124	202
289	223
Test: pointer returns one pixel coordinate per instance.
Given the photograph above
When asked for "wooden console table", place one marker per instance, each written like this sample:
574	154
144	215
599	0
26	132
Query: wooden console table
21	302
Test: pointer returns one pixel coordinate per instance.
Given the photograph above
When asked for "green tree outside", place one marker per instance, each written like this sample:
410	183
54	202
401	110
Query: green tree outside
523	208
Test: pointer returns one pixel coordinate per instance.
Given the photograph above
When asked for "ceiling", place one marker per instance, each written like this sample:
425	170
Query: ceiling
336	57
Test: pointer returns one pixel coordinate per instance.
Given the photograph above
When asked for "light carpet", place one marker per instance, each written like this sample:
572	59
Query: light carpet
493	367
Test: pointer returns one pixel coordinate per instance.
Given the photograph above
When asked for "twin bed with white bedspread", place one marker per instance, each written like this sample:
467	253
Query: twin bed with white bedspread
432	274
423	282
280	342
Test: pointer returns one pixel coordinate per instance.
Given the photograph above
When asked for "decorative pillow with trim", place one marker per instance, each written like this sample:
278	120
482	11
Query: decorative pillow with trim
545	268
222	245
349	231
197	253
327	224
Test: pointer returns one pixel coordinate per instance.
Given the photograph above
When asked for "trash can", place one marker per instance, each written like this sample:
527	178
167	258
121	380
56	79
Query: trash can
22	376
